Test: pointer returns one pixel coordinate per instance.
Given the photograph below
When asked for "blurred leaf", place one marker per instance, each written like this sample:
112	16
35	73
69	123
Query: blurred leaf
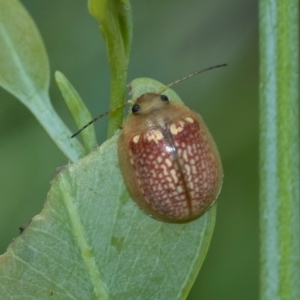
91	241
24	64
115	20
78	110
24	72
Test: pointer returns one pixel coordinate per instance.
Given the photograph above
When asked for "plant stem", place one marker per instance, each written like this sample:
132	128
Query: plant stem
115	21
279	150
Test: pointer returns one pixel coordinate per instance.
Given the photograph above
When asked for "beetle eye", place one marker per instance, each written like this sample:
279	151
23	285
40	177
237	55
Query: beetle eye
135	108
164	98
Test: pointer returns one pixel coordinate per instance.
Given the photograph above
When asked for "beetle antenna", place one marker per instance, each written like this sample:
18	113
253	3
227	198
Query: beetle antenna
191	75
97	118
161	90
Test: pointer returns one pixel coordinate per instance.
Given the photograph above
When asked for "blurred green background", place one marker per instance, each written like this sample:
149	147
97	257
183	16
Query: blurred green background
171	39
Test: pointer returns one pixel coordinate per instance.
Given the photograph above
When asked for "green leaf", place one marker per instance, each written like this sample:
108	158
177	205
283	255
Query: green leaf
79	111
24	72
115	20
92	241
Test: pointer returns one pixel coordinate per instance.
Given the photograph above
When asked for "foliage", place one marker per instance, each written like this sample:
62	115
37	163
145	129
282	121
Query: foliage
90	241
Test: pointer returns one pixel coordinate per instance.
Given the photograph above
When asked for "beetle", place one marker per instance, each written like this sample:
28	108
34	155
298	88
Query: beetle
168	158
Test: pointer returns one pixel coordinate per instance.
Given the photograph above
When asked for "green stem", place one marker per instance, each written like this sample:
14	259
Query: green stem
279	150
115	21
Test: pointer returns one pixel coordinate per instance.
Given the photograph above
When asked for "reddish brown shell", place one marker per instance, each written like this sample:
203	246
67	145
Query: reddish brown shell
169	161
